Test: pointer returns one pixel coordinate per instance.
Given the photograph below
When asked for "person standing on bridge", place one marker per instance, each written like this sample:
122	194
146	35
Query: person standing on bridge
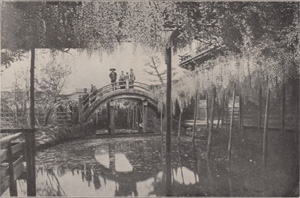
127	80
122	80
113	77
131	79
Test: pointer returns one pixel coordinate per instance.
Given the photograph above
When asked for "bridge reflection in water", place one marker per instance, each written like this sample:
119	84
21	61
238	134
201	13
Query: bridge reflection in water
136	167
116	168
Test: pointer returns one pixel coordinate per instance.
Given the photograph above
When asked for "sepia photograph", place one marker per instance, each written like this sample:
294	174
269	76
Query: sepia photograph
147	98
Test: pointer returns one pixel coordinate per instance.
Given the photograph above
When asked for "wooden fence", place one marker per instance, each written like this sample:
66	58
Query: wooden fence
11	120
11	161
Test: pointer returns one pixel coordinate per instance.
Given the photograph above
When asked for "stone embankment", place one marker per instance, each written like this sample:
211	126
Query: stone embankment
53	134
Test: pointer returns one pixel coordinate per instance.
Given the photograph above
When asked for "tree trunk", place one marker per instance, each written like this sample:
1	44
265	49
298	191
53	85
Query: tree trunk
231	126
179	124
195	115
265	135
30	161
211	122
283	108
259	108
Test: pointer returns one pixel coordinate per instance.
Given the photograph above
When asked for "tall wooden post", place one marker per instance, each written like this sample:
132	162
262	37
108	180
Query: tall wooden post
207	111
161	121
231	126
283	108
168	115
111	107
259	108
179	124
30	136
145	116
223	111
195	115
211	122
12	182
265	135
241	121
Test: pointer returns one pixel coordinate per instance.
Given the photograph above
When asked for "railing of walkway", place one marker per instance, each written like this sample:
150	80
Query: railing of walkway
17	147
112	87
12	156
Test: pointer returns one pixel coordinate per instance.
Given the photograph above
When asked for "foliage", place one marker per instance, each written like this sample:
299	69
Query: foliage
260	40
154	64
153	67
102	25
52	80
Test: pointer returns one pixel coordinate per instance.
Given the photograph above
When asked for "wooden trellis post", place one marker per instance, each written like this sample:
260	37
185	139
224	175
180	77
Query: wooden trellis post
265	135
12	181
231	126
211	122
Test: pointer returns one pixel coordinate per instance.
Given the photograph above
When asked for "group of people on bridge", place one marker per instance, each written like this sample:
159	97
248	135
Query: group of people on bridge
125	80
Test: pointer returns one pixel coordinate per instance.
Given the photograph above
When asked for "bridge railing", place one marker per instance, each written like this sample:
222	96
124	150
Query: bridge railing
112	87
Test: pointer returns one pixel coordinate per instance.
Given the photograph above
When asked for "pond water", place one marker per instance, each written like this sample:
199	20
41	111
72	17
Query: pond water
136	167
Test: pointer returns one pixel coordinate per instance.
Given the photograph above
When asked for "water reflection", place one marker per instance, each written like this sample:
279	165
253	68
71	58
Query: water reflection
116	162
119	169
136	167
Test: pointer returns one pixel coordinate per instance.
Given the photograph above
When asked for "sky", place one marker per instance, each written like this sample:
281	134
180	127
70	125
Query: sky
89	69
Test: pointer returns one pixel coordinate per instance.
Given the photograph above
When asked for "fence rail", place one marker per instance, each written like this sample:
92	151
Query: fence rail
11	120
11	162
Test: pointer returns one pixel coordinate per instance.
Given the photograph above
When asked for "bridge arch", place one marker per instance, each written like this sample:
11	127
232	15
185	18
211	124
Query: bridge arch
110	92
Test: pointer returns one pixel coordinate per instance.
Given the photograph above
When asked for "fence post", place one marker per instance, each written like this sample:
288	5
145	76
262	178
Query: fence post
12	182
30	162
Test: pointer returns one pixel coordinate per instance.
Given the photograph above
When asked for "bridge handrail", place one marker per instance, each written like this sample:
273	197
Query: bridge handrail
111	87
103	89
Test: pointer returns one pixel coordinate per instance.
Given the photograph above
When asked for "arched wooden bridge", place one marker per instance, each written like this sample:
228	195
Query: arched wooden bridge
115	91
